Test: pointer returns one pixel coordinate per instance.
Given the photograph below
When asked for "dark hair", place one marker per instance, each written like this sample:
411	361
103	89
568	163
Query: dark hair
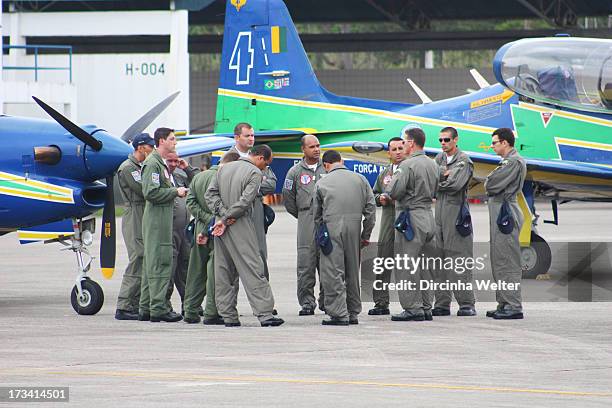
505	134
417	135
261	150
451	130
161	133
331	156
240	126
229	157
394	139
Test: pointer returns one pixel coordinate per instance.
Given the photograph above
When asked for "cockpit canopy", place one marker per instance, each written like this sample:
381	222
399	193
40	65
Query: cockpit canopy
570	72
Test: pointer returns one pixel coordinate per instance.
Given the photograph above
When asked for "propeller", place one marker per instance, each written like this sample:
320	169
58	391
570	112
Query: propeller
141	124
73	129
108	233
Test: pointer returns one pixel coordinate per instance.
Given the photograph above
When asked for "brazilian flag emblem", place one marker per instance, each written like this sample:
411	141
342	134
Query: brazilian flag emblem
279	39
269	84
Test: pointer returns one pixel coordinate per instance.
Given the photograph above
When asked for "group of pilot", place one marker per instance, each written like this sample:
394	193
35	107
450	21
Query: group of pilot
224	243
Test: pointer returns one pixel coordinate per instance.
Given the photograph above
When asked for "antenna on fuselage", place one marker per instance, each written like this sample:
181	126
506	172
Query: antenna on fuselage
419	91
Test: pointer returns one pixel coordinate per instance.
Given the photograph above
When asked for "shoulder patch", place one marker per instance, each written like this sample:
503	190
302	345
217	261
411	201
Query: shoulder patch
136	176
288	185
155	178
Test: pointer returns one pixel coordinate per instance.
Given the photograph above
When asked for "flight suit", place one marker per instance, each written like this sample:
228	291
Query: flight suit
180	246
298	194
231	195
503	184
386	236
413	187
451	195
201	272
268	186
129	176
157	234
341	199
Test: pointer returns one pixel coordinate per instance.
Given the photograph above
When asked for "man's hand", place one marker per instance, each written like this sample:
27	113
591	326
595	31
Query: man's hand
384	199
219	228
446	173
230	221
365	243
182	164
181	191
202	239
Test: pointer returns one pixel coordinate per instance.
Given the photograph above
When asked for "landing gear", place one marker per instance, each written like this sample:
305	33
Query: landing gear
535	258
87	296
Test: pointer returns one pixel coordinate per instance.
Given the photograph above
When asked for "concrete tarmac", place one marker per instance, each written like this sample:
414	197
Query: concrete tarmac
558	356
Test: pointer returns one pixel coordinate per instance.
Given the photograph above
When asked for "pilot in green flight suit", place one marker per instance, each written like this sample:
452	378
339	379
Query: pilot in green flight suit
201	272
159	194
131	225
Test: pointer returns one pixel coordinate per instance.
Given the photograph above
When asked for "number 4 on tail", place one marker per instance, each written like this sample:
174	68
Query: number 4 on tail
242	58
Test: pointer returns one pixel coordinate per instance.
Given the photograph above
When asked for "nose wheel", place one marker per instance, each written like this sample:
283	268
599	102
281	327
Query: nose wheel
91	299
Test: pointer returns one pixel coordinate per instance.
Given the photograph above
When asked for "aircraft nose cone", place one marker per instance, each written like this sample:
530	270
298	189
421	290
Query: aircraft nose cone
105	162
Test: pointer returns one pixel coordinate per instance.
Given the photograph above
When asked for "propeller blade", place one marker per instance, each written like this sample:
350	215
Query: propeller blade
108	233
73	129
141	124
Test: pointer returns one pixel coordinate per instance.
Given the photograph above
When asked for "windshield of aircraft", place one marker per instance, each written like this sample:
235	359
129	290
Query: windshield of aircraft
570	72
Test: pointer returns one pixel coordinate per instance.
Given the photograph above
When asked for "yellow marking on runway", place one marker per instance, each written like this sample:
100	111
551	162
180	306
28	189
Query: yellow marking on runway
197	377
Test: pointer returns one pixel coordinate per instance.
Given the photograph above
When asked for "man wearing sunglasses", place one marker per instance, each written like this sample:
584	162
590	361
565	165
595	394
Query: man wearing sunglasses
456	170
505	219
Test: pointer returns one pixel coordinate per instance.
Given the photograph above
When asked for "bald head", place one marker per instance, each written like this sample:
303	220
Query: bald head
311	149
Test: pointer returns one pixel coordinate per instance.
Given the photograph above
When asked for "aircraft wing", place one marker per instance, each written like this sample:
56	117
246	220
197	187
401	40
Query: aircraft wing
45	232
202	145
265	136
560	179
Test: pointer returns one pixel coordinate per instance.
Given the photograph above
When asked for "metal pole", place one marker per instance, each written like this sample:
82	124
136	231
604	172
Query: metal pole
70	64
35	64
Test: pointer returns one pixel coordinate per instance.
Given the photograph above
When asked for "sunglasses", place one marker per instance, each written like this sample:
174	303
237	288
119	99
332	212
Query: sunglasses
445	139
494	142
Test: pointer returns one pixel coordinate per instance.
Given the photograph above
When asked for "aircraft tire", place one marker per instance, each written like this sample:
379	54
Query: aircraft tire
94	298
536	258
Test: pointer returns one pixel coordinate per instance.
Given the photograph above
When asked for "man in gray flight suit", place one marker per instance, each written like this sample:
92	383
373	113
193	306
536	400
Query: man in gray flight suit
456	170
341	199
413	188
245	139
230	196
131	226
387	232
502	186
181	174
159	194
298	193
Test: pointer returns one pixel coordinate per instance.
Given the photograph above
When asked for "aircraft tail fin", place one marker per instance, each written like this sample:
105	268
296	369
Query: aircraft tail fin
262	59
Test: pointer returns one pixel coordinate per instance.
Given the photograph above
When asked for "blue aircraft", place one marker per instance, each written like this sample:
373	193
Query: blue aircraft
556	93
50	174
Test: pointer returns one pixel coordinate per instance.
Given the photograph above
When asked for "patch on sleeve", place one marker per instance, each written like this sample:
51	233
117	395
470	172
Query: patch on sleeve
155	178
136	175
288	185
